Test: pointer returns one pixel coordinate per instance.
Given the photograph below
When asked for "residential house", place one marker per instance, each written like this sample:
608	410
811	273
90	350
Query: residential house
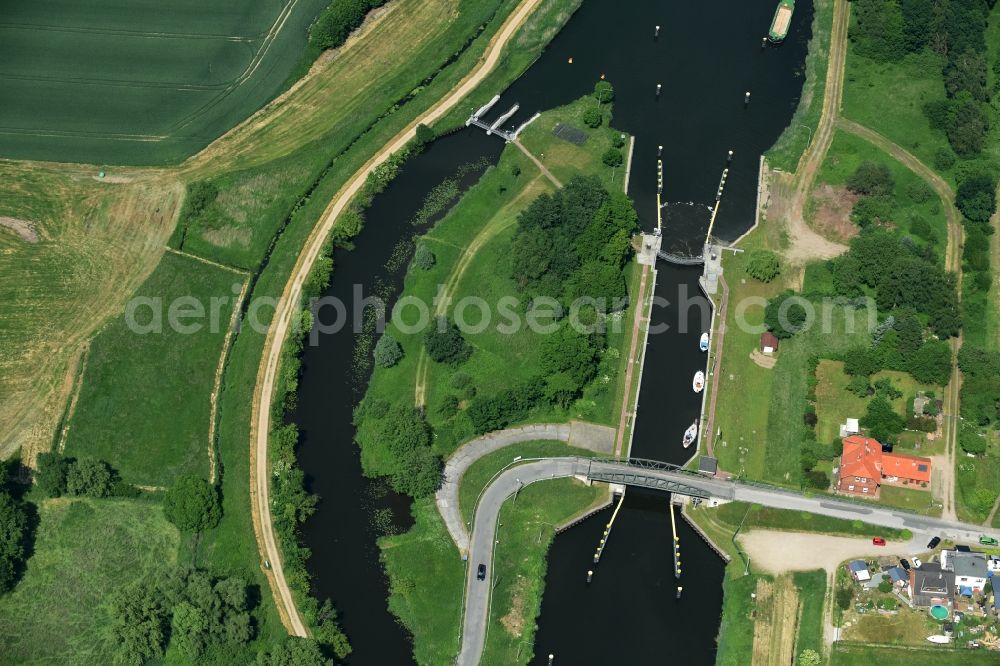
898	576
970	569
864	467
930	585
859	570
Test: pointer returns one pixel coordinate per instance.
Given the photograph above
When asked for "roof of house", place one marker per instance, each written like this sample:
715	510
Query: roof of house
857	565
862	457
897	574
708	465
908	467
768	339
972	565
930	582
996	600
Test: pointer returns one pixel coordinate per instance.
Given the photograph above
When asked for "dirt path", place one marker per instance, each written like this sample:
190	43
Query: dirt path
637	324
952	263
286	308
804	243
541	167
776	621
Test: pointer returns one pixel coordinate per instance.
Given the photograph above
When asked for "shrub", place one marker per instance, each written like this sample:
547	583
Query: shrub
618	140
885	586
944	159
936	112
972	442
919	192
515	170
50	473
867	210
784	315
335	24
425	134
192	504
387	351
592	117
423	257
89	477
448	407
612	157
763	265
921	228
844	597
872	179
445	344
13	532
460	380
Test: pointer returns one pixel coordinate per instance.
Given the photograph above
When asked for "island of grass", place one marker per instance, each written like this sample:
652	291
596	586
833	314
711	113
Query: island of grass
475	378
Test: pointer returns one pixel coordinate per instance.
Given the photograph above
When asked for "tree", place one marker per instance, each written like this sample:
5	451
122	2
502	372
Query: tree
868	210
944	159
808	658
872	179
425	134
419	474
569	351
140	623
972	442
423	257
844	597
13	533
785	315
50	473
192	504
188	630
612	157
879	30
967	126
387	351
89	477
445	344
931	363
592	117
860	362
293	651
976	197
966	71
881	420
763	265
604	92
918	16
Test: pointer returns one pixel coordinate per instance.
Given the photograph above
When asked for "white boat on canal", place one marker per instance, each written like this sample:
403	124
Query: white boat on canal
703	343
691	434
698	384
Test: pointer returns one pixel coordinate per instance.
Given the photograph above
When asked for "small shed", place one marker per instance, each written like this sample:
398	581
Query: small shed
768	342
851	427
708	465
859	570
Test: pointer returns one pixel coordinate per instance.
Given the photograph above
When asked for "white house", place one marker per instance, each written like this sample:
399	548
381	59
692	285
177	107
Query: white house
852	427
970	570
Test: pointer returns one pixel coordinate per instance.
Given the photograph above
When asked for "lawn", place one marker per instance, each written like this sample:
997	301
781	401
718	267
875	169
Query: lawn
848	151
856	654
738	614
144	404
788	149
834	403
918	501
973	474
909	83
84	549
733	513
147	84
811	586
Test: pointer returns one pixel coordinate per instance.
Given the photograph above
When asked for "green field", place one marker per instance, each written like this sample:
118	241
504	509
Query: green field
765	518
83	550
144	403
812	590
147	82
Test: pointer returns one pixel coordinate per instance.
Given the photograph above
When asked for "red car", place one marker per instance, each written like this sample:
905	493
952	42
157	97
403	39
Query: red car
878	541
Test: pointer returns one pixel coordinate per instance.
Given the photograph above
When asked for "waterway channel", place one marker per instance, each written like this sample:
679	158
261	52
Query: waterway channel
706	57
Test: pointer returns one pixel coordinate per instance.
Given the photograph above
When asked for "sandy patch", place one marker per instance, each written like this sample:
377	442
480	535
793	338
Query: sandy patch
832	218
763	360
27	231
777	552
114	180
775	622
513	621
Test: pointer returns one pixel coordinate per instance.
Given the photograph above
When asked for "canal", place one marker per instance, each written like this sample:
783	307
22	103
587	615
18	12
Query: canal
706	57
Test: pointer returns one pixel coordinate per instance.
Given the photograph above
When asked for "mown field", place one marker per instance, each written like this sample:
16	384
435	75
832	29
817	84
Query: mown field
84	549
144	404
860	654
121	82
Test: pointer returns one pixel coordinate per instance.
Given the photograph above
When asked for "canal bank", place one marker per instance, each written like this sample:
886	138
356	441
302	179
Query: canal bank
696	128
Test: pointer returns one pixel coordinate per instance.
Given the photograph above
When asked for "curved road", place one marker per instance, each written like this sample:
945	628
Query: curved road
477	596
287	306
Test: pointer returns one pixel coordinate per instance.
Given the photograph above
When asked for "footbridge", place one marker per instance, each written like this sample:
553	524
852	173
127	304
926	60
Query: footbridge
475	120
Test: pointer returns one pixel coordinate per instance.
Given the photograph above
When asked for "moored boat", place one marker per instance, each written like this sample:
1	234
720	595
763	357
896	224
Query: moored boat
703	343
691	434
698	384
782	21
938	638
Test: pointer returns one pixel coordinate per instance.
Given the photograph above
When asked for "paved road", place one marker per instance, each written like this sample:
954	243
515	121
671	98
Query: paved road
287	308
477	597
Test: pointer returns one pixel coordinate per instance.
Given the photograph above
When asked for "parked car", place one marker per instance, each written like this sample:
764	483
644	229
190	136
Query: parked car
878	541
917	563
934	542
988	541
481	572
905	564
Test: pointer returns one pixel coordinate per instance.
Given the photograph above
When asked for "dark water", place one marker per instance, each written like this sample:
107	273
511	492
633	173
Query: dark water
707	56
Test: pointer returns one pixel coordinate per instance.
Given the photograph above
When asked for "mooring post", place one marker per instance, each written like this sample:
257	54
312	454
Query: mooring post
658	88
729	158
552	658
763	43
656	33
679	590
746	99
659	151
590	575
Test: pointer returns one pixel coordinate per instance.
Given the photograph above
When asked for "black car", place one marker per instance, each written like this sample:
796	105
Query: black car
934	542
905	564
481	572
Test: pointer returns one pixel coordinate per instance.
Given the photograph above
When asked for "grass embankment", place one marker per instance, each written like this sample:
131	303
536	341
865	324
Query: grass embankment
144	404
911	197
726	518
180	76
84	550
859	654
788	149
91	245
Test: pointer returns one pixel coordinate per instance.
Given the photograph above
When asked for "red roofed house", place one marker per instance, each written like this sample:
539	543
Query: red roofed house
864	468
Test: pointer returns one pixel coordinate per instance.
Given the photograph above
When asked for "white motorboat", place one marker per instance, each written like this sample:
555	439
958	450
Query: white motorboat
703	343
938	638
691	434
698	384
